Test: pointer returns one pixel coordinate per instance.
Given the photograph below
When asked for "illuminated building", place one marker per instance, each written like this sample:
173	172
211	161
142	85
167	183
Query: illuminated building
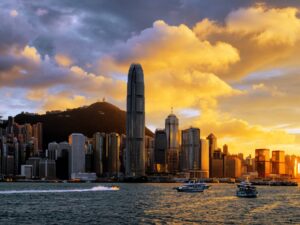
278	162
225	150
262	162
204	158
135	122
171	128
233	166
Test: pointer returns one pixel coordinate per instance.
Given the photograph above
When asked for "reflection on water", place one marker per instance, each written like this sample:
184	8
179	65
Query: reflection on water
145	203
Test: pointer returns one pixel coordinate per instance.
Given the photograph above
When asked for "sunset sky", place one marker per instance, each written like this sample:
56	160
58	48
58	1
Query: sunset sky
227	67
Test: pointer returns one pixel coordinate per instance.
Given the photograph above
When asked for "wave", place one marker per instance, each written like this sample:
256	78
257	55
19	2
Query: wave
97	188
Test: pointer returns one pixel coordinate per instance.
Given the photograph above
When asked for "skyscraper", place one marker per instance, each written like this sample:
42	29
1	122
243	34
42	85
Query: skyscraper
77	154
160	148
262	162
135	122
171	128
212	146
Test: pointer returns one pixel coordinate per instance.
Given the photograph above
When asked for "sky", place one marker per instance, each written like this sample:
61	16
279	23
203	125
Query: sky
230	68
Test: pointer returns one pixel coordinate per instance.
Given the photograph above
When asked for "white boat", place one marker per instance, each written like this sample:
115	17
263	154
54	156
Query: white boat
246	190
192	186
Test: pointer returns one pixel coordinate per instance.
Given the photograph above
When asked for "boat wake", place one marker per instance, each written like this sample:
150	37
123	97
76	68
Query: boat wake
97	188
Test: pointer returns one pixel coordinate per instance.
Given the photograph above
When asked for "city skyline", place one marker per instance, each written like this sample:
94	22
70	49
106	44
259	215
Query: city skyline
229	70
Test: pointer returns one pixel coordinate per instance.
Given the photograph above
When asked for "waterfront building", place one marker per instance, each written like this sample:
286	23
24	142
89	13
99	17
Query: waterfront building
100	147
149	148
172	132
262	162
204	149
35	163
212	146
62	162
218	164
77	154
26	171
233	166
53	150
160	151
47	169
278	162
135	122
113	154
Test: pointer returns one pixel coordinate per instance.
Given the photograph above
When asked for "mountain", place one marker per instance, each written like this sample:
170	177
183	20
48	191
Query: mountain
98	117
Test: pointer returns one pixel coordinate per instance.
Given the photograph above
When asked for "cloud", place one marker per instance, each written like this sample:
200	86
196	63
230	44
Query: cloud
63	60
266	37
13	13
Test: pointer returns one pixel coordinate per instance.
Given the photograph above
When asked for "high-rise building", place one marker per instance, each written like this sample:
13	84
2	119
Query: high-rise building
53	150
262	162
217	164
204	158
225	150
62	162
172	131
212	146
149	148
113	154
191	148
34	162
160	151
233	166
135	122
38	138
47	169
77	154
100	147
278	162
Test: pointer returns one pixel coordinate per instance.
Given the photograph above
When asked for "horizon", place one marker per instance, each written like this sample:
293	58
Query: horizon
231	69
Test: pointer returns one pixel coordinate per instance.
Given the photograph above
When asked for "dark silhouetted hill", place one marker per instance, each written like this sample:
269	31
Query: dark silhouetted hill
98	117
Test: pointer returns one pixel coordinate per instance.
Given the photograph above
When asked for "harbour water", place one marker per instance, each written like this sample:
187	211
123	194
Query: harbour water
58	203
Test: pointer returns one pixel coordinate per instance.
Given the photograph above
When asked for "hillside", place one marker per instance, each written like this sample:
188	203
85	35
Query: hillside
98	117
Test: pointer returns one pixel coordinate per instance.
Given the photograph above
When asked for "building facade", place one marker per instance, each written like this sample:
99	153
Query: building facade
135	122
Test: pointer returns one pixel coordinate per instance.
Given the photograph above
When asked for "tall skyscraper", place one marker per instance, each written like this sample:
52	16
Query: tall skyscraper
100	147
135	122
77	154
212	146
171	128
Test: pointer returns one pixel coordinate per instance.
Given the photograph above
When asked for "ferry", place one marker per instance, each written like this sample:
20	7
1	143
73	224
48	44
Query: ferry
192	186
246	190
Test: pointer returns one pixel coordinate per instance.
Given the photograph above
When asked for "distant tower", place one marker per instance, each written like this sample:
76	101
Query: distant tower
135	122
212	146
171	128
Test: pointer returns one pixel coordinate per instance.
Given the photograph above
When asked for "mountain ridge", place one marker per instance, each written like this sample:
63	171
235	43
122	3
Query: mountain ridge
97	117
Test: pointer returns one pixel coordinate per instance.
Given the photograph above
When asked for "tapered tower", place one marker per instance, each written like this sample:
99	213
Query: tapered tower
135	122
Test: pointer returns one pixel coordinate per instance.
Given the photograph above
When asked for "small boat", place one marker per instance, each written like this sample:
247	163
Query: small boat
115	188
246	190
192	187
